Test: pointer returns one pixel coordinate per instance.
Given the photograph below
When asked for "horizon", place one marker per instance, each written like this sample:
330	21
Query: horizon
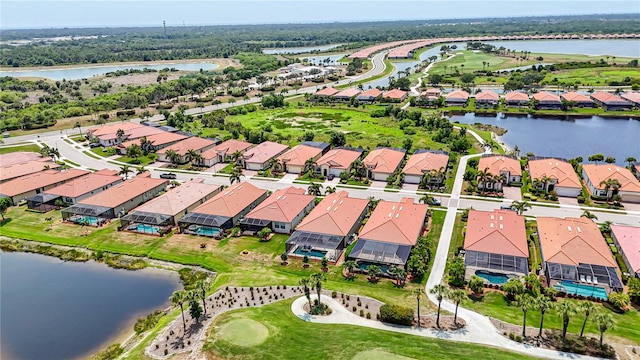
56	14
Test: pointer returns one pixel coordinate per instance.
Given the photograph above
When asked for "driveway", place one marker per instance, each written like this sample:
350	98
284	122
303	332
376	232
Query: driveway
512	193
567	200
410	187
289	177
378	184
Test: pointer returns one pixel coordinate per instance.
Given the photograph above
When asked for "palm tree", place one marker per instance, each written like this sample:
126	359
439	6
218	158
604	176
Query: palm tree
237	155
545	181
589	215
120	134
399	273
309	166
306	286
604	321
349	265
520	206
457	296
53	153
329	190
610	184
524	302
440	291
483	177
317	279
235	175
192	156
418	292
178	298
314	189
543	304
565	309
588	308
630	160
358	169
193	297
204	285
79	126
172	156
373	271
141	170
426	199
125	170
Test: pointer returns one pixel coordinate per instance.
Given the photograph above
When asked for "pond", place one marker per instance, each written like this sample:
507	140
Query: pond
63	310
300	49
84	72
615	47
566	138
324	60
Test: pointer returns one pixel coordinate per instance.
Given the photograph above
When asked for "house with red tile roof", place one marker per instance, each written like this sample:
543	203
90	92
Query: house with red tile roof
157	141
18	157
328	228
577	99
390	233
627	241
198	144
160	214
516	99
346	94
611	102
544	100
75	190
114	201
280	212
336	161
383	162
16	170
223	211
495	245
596	176
423	162
224	152
370	95
499	165
576	258
395	95
457	98
107	134
294	159
430	97
559	174
632	97
487	98
258	157
27	186
327	92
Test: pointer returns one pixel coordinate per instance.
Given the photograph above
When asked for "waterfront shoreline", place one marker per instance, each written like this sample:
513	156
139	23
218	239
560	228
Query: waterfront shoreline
218	61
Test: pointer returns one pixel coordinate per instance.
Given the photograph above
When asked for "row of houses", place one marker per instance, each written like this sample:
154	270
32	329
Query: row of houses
576	258
561	177
371	95
542	100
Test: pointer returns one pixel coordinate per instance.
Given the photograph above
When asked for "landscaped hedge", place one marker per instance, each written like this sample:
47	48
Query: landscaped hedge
396	314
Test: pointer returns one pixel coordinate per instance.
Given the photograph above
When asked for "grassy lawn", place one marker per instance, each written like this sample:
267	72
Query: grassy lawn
104	151
141	161
495	305
594	76
290	337
457	238
26	148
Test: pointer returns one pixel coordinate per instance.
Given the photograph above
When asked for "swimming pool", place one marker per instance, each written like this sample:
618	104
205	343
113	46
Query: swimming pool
571	287
87	220
311	253
207	231
147	229
493	278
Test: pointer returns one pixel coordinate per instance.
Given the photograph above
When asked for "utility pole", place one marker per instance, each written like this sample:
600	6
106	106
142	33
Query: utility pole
164	25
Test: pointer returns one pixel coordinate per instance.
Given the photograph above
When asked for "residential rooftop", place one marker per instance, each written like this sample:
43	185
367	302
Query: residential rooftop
328	91
457	94
15	170
573	241
516	96
282	206
609	98
158	139
261	153
178	199
335	214
395	94
374	93
349	92
18	157
231	201
228	147
385	160
598	173
577	97
557	169
544	96
423	162
299	154
192	143
86	184
499	163
396	222
339	158
38	180
123	192
487	95
496	232
628	238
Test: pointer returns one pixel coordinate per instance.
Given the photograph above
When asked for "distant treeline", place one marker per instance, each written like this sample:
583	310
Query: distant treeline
151	44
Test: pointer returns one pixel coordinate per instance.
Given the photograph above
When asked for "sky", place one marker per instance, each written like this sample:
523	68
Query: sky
113	13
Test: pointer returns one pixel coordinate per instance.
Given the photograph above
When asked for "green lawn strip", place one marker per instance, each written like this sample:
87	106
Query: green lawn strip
104	152
27	148
91	155
139	161
457	237
437	220
137	352
227	169
67	161
289	337
495	305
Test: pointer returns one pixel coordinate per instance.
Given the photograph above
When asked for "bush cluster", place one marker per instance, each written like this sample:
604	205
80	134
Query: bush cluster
396	314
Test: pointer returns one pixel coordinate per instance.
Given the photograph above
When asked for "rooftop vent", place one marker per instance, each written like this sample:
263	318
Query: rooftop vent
491	225
569	228
501	227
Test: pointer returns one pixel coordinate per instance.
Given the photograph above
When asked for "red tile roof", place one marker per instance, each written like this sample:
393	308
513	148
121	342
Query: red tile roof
487	96
557	169
457	94
516	96
395	222
192	143
395	94
339	158
572	241
232	200
608	98
18	157
299	154
85	184
228	148
158	139
546	97
628	238
336	214
577	97
384	160
261	153
422	163
328	91
634	97
112	129
178	199
598	173
282	206
350	92
498	163
374	93
38	180
12	171
496	232
123	192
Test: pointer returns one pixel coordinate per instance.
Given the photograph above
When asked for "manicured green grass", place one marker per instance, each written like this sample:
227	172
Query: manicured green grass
141	161
387	71
26	148
494	304
457	238
104	152
290	338
594	76
243	332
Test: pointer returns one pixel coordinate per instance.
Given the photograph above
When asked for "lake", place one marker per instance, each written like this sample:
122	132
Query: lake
84	72
614	47
319	60
299	50
64	310
566	138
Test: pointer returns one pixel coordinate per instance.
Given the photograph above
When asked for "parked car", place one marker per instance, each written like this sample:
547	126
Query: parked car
94	145
436	201
330	177
168	176
506	207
